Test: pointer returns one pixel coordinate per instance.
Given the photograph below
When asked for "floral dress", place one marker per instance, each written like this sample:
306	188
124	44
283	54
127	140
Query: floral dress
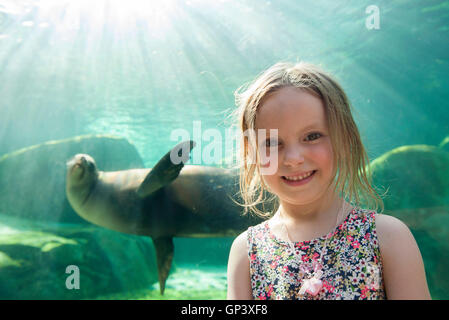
352	266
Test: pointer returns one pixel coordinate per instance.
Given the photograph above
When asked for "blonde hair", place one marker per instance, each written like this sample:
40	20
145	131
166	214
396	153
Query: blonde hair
350	158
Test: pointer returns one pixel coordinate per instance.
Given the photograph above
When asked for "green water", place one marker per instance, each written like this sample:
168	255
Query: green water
140	70
187	283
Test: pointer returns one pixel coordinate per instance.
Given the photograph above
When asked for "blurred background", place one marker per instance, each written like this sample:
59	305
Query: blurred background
131	72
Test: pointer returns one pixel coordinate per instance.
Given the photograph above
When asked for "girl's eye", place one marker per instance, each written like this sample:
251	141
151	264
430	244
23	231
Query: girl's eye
314	134
271	143
274	143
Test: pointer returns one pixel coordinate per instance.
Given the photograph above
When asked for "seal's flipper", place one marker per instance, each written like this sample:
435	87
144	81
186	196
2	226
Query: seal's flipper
167	169
164	256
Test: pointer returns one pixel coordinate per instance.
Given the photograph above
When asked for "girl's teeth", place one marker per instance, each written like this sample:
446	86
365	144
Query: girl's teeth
298	178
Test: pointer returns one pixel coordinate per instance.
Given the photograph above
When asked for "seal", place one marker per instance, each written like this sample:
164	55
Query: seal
170	200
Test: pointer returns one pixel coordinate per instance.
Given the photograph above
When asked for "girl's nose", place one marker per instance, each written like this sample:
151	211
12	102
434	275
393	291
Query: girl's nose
293	157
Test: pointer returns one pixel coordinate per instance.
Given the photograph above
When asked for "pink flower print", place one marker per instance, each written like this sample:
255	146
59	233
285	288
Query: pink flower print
356	244
315	256
349	238
274	264
262	296
374	286
253	256
328	287
285	269
270	290
363	294
305	258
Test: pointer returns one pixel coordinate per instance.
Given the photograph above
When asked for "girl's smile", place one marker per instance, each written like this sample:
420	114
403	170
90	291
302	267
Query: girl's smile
299	179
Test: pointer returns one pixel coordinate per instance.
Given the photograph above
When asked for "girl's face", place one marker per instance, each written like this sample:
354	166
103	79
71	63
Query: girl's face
303	145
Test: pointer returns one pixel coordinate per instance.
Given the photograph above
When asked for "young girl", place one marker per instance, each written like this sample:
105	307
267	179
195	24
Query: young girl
318	244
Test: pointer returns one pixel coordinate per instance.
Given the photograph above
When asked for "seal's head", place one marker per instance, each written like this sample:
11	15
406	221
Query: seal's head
81	169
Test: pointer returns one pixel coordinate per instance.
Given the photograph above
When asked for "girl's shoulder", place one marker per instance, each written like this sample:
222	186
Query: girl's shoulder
401	260
387	225
241	244
248	234
393	235
384	224
238	273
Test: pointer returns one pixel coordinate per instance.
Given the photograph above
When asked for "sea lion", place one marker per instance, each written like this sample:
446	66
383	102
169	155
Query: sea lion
162	202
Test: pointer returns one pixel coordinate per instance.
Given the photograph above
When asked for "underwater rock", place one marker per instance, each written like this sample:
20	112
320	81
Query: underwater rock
417	180
414	176
33	261
32	180
433	236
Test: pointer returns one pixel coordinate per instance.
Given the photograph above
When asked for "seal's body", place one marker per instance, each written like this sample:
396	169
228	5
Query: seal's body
162	202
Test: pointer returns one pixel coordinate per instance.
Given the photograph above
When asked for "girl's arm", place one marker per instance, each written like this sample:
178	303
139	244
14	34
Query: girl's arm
403	267
239	282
